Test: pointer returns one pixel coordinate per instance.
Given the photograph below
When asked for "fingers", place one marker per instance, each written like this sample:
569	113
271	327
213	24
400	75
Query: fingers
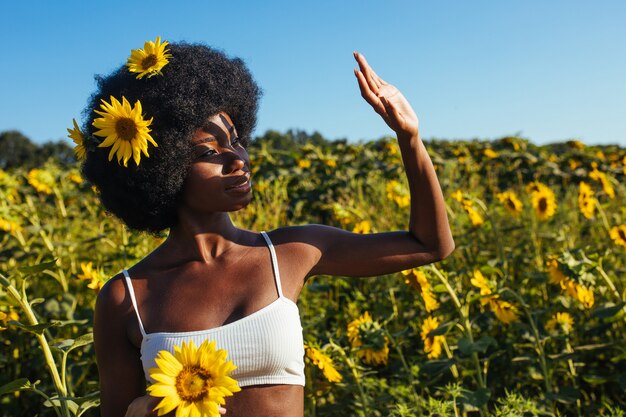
221	409
372	78
372	81
369	95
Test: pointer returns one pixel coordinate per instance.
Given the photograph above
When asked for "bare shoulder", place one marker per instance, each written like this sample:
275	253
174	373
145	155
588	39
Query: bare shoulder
299	241
296	256
113	297
114	313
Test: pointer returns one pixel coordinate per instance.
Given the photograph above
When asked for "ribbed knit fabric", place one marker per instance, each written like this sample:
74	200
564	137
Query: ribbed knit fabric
266	346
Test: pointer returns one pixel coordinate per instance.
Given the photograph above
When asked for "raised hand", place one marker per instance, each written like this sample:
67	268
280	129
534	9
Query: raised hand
386	100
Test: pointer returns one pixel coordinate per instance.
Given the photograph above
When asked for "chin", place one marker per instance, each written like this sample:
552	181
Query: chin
242	205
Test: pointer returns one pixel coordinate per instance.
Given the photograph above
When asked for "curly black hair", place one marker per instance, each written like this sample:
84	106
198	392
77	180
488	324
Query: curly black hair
197	83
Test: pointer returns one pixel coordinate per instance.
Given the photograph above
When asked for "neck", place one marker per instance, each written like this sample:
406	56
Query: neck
202	238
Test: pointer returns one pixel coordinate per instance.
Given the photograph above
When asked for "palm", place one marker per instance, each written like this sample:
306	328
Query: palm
386	100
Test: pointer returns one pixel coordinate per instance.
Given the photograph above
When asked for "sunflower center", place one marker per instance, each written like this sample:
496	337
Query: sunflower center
149	61
543	205
193	383
372	336
126	128
510	204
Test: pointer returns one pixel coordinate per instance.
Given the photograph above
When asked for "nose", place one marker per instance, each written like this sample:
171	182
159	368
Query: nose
233	163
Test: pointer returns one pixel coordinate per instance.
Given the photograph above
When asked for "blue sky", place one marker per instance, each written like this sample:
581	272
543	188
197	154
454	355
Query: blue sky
545	70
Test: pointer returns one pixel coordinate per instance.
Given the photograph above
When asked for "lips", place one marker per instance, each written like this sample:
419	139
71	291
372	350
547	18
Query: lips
238	182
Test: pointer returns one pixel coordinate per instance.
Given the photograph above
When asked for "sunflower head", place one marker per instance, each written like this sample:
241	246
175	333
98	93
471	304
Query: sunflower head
124	129
149	60
511	202
432	343
323	362
77	136
368	337
363	227
193	381
41	180
563	321
543	201
504	311
618	235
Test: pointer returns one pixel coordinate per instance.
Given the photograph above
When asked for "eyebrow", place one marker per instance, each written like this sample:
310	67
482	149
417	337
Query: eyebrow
205	140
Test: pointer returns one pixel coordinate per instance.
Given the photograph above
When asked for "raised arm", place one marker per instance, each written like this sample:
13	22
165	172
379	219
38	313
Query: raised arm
333	251
428	221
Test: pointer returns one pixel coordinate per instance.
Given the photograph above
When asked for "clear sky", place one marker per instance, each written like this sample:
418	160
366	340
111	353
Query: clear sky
545	70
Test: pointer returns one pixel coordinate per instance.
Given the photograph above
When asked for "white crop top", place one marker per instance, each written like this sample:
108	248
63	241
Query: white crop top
266	346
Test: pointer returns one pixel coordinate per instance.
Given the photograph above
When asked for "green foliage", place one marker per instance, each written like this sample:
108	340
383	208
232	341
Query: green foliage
532	364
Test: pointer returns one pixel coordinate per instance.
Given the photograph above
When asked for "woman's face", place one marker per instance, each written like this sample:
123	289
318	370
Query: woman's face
219	178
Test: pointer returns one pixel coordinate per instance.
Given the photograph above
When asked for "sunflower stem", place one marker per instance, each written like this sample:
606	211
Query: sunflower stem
608	281
355	375
605	221
60	203
453	368
467	325
538	345
43	342
406	366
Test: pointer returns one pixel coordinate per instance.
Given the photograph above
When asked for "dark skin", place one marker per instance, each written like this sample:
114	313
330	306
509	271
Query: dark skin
209	273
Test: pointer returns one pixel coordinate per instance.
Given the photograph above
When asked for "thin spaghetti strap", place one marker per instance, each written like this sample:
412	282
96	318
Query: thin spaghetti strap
129	284
274	264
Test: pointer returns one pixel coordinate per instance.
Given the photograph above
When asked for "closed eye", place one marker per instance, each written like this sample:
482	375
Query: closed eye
209	152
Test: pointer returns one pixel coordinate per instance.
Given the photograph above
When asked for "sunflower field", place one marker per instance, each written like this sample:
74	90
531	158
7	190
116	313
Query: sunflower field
526	318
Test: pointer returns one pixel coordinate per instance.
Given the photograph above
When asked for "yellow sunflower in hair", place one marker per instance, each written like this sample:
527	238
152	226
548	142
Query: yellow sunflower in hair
149	60
123	128
77	136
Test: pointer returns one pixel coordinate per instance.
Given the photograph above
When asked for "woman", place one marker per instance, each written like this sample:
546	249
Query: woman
210	279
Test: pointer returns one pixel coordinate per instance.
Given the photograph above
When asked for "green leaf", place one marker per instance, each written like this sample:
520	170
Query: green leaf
436	367
523	359
476	399
563	356
70	344
442	329
566	395
17	385
63	346
439	288
607	312
595	379
37	329
87	405
597	346
37	301
56	403
481	345
89	397
33	269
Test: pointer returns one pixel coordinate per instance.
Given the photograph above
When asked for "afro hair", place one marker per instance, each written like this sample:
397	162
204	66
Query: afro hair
198	83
